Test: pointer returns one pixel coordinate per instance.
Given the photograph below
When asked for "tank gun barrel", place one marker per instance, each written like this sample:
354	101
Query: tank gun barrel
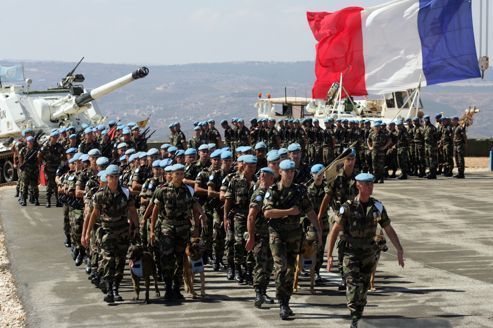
74	105
110	86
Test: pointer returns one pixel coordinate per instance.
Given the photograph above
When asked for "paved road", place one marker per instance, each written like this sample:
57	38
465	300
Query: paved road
445	227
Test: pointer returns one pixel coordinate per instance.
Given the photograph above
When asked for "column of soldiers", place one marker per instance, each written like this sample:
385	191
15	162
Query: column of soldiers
251	196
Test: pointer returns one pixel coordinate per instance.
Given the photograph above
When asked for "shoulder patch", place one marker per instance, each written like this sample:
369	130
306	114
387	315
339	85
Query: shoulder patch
379	206
211	177
258	198
341	210
267	194
191	190
126	192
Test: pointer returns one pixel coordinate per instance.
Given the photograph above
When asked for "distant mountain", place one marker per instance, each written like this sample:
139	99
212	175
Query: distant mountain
194	92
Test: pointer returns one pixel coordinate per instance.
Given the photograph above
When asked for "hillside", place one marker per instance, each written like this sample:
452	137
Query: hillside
195	92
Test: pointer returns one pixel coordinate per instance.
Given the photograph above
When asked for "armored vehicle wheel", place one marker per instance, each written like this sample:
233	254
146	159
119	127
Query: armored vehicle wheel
8	171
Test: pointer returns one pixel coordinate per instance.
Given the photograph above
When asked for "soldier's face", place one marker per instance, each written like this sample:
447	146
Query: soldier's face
226	163
295	156
178	176
287	177
250	169
216	163
365	188
112	181
349	163
267	178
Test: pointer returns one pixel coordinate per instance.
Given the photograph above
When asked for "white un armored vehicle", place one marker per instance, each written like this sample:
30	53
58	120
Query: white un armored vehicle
67	104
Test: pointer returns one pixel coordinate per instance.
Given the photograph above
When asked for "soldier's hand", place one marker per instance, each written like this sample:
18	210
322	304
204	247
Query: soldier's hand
152	238
226	224
250	243
400	258
294	210
330	261
320	240
85	241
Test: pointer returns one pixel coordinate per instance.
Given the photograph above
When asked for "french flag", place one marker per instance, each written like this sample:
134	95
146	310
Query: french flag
394	46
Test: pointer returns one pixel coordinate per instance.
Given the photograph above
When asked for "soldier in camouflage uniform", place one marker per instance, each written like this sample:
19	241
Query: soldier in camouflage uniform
460	139
228	134
447	144
316	194
402	150
431	151
201	189
342	188
145	195
258	239
62	187
412	168
75	211
284	203
391	156
28	163
238	196
52	154
213	192
419	148
174	203
116	207
378	144
89	142
328	142
358	219
439	131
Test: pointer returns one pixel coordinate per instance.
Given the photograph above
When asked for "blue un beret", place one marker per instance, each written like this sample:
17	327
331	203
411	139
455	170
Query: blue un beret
287	164
250	159
153	152
260	145
273	156
294	147
71	150
216	153
113	170
226	154
177	167
180	152
190	152
317	168
156	163
365	177
94	152
123	158
102	161
102	176
267	170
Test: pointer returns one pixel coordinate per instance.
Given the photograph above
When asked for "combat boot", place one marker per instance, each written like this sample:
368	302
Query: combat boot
36	201
176	293
259	299
109	298
283	310
231	273
402	177
16	192
58	202
267	299
216	264
239	274
116	286
102	285
168	294
249	277
88	266
67	242
23	202
342	285
31	199
290	312
354	323
80	257
75	252
48	201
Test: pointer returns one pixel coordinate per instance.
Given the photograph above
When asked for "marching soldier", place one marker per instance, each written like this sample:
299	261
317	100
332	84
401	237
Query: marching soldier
284	203
431	151
28	163
52	154
460	140
358	219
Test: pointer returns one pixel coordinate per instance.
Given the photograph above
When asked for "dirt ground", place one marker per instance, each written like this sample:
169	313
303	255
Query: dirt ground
11	310
477	163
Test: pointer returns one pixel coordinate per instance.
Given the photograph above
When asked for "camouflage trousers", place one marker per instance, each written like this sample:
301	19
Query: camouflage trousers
448	158
327	155
411	154
230	243
51	187
378	161
30	181
321	250
114	247
402	160
172	244
285	246
207	232
459	152
368	165
391	160
66	220
263	262
240	227
357	269
76	218
95	247
218	236
431	158
419	157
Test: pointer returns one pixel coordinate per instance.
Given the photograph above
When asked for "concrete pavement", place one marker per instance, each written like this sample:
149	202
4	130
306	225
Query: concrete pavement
445	227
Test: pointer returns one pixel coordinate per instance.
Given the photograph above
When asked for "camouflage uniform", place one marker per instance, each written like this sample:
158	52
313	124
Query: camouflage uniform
419	151
261	251
84	146
175	212
379	139
29	172
430	138
66	207
75	214
115	237
316	195
459	149
448	150
403	151
218	235
52	154
201	180
327	146
239	191
285	235
92	186
359	223
230	232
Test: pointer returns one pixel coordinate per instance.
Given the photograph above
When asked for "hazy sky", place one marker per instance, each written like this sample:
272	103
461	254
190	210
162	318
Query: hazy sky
162	31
